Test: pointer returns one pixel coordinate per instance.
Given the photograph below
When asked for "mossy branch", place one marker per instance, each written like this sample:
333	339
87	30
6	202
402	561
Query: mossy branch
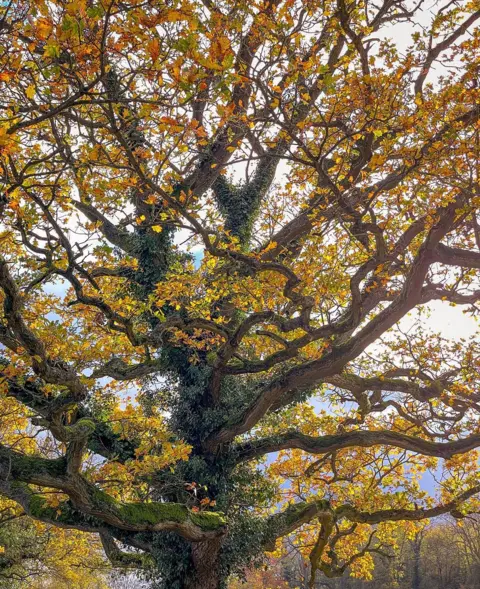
75	436
18	472
285	522
119	558
102	441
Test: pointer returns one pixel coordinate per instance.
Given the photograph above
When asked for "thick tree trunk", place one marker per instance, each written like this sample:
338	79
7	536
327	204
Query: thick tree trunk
205	573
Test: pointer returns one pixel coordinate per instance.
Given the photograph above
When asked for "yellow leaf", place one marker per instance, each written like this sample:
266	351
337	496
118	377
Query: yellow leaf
175	16
30	91
43	29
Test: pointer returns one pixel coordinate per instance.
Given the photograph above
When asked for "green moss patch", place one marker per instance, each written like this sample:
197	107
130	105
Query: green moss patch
155	513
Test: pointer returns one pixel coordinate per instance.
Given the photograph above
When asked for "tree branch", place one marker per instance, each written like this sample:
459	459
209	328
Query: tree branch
122	559
364	439
18	471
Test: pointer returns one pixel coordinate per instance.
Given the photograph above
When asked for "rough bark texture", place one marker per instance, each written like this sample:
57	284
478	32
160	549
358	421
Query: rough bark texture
206	566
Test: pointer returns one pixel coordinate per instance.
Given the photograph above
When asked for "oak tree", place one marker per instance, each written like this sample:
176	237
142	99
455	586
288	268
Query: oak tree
216	218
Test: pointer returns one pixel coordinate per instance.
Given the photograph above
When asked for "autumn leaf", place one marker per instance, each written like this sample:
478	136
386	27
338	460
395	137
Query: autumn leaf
30	91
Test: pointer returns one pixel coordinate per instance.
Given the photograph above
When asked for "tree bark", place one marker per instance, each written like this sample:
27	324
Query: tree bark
205	572
416	578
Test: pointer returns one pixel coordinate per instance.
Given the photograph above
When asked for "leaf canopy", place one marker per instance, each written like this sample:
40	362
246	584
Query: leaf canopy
227	232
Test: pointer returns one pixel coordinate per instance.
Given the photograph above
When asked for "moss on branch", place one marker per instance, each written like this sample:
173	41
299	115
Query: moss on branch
23	467
156	513
295	515
87	501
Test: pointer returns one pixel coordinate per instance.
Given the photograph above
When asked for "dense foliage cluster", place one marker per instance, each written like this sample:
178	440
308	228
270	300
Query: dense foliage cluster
34	555
224	226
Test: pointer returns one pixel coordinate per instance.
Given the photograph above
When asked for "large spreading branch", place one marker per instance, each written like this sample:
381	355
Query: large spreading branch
360	438
306	375
328	516
87	503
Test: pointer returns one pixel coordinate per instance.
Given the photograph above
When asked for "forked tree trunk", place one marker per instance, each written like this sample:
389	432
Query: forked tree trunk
205	573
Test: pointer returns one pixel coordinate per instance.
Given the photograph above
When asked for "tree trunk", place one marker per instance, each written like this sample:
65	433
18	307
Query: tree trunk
416	577
205	573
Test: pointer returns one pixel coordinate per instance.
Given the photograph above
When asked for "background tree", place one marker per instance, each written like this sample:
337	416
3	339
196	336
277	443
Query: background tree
328	178
37	556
